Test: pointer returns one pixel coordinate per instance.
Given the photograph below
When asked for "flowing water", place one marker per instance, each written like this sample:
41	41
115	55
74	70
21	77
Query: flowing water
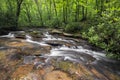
67	49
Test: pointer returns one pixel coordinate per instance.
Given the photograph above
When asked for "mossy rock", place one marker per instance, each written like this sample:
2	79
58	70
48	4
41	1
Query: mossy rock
36	34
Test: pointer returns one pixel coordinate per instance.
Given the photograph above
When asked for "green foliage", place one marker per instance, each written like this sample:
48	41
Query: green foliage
106	34
73	27
113	56
55	23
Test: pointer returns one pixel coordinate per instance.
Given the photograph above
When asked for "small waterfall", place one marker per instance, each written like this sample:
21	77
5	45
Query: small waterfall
49	37
29	39
10	35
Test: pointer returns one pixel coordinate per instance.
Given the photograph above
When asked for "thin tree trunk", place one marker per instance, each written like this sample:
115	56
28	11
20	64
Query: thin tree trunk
64	20
83	13
86	11
101	9
67	11
77	11
50	8
28	14
96	4
48	12
55	8
39	11
19	2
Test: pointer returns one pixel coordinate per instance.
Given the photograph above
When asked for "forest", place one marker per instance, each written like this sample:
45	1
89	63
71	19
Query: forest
98	21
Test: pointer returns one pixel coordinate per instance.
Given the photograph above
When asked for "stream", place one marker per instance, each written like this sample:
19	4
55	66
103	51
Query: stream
46	47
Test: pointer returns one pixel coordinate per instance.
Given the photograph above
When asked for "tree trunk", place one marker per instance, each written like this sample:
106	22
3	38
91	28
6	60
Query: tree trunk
96	4
101	9
48	11
83	13
65	11
19	2
55	8
39	11
64	20
28	14
77	11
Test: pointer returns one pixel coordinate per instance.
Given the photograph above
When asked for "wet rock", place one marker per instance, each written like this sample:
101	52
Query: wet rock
36	60
2	55
21	72
15	56
8	64
4	72
68	34
28	59
57	75
3	41
36	34
76	71
55	31
98	75
18	34
27	72
18	43
56	43
36	51
31	76
21	35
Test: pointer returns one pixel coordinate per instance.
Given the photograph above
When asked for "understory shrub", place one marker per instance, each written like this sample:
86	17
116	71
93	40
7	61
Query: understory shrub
106	34
73	27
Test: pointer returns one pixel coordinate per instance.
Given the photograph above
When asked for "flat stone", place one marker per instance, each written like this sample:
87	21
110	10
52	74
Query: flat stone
68	34
55	31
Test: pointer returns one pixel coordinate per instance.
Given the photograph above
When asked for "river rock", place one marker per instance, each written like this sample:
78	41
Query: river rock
18	43
21	72
19	34
68	34
56	43
55	31
57	75
27	72
36	34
